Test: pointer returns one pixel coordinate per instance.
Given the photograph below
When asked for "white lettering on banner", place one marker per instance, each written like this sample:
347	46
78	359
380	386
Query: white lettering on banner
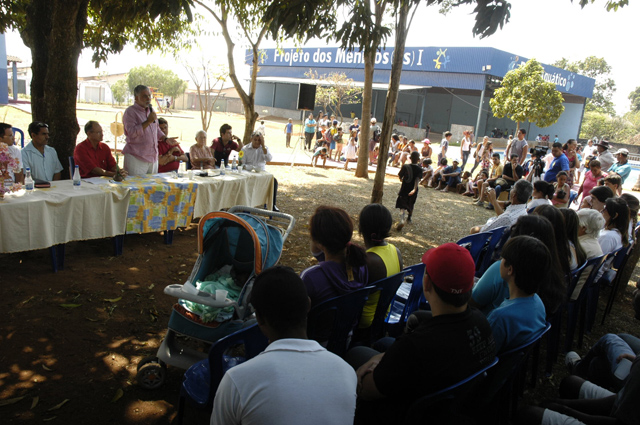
383	57
407	58
420	57
556	79
291	57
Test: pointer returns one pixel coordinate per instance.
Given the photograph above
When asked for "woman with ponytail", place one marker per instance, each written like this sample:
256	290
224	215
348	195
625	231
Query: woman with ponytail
343	265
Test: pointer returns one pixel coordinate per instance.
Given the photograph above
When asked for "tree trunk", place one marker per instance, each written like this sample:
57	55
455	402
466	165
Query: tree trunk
362	170
54	33
390	104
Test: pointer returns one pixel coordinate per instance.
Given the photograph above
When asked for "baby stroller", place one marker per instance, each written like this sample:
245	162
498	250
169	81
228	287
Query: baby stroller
243	240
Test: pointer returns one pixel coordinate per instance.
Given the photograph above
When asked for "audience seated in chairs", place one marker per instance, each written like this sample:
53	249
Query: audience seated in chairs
491	290
383	258
522	315
451	344
343	265
294	380
541	195
507	214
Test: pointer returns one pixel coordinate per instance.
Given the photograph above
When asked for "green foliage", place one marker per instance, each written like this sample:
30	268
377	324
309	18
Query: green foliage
524	95
111	24
119	91
164	80
634	97
599	70
618	129
335	90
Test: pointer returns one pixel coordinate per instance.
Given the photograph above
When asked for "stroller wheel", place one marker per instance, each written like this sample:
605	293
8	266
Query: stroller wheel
152	373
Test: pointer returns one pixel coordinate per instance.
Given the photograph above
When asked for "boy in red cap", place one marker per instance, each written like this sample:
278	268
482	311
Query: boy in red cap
449	345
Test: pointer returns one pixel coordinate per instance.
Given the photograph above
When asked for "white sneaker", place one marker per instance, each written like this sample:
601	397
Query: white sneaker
571	359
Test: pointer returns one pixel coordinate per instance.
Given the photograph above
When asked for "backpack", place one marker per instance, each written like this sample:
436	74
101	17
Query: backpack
376	134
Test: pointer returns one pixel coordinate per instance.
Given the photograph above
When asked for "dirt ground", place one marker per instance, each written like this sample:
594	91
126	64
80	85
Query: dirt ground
70	342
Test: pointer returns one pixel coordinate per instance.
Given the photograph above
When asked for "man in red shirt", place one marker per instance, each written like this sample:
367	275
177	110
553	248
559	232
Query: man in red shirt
94	157
223	145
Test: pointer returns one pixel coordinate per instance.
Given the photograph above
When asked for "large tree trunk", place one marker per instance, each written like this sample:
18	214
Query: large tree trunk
362	169
54	33
369	53
390	104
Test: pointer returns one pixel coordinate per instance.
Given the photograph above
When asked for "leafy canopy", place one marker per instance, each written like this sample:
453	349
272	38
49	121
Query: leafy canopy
634	97
599	70
164	80
111	24
524	95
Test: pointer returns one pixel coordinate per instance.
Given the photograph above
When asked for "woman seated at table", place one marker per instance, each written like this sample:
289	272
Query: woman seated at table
169	156
201	155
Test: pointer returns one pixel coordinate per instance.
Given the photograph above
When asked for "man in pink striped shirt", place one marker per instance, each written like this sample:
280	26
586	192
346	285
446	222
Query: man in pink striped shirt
142	134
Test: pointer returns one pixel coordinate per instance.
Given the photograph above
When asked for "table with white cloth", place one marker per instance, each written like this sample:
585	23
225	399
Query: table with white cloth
102	208
60	214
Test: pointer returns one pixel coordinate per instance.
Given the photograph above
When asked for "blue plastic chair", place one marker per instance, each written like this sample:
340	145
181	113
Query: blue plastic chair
72	166
387	288
496	399
21	133
189	167
475	244
619	263
201	380
403	306
576	310
441	404
332	321
496	240
572	196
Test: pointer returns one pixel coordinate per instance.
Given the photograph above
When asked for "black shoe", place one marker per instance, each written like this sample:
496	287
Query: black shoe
276	209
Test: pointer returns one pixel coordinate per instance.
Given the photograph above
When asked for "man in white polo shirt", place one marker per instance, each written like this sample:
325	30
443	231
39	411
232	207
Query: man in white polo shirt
294	380
41	158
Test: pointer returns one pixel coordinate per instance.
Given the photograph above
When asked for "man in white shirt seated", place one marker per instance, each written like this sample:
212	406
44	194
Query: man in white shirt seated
255	157
519	196
41	158
294	380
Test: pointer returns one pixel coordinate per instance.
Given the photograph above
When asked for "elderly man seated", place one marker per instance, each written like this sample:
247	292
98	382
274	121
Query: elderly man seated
93	157
518	197
37	155
255	157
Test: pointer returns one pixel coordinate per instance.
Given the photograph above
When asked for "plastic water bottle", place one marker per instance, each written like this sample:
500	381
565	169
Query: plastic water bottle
28	181
182	169
223	169
234	166
77	181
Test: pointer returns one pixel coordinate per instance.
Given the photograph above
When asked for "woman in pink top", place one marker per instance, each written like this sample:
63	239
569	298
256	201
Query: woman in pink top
591	178
201	155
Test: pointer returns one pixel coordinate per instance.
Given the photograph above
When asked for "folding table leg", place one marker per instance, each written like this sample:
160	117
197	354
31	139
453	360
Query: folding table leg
118	243
57	257
168	237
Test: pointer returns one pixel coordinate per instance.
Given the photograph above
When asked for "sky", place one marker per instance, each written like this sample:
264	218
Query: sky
546	30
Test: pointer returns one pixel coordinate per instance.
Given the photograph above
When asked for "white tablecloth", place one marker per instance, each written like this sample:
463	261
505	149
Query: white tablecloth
252	189
60	214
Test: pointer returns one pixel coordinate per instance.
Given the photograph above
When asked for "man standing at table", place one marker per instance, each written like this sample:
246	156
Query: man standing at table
93	157
223	145
142	135
41	158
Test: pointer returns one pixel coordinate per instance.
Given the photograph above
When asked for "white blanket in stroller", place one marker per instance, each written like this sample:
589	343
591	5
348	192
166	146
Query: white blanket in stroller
222	279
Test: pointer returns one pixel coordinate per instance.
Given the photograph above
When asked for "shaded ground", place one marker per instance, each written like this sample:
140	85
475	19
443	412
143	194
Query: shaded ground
115	311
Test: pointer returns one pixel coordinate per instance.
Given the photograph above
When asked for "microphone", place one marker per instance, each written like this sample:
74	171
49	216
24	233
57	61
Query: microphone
151	110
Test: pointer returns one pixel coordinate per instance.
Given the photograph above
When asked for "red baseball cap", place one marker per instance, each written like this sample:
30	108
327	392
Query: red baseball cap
450	268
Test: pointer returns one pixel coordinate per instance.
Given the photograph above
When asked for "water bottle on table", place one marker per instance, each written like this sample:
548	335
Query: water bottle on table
28	181
77	181
234	166
182	169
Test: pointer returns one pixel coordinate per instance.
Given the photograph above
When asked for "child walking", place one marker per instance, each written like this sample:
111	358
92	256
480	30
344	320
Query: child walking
410	175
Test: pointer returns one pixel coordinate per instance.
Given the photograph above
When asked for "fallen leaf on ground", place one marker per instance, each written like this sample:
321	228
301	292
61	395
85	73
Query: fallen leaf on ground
70	305
10	401
91	320
113	300
59	405
49	419
117	395
46	368
34	403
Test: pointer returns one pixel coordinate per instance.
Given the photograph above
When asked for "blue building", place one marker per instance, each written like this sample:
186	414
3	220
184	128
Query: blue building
439	86
4	86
